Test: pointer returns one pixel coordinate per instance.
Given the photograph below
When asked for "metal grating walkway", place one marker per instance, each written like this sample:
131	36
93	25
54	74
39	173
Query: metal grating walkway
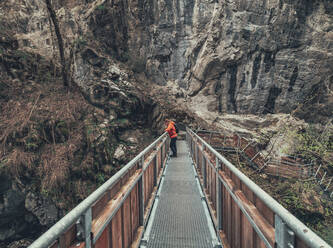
179	219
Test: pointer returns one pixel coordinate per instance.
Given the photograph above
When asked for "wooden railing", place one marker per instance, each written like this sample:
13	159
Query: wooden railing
245	215
116	213
283	167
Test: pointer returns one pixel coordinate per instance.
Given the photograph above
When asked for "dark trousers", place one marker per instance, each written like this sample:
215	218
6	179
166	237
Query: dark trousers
173	146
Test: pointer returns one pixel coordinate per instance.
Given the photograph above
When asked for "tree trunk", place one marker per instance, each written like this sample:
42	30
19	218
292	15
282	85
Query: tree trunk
60	42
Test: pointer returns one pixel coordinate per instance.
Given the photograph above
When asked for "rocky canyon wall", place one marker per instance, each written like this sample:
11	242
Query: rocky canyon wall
230	56
244	56
223	56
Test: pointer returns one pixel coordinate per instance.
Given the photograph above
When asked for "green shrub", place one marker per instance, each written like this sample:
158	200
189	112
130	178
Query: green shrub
313	143
100	179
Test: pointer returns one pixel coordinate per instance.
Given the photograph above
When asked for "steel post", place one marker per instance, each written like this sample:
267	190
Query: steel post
329	183
163	152
141	184
83	227
87	227
218	196
322	179
248	144
155	169
161	156
203	166
167	147
255	156
284	236
317	171
196	155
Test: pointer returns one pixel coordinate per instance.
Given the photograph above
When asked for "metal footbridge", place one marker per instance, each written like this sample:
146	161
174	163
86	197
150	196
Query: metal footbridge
198	199
180	217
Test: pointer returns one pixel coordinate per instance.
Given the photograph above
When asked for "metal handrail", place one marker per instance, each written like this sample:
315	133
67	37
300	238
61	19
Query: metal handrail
69	219
302	231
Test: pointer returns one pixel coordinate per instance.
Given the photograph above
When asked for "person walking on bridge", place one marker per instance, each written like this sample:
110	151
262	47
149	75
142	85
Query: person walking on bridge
173	135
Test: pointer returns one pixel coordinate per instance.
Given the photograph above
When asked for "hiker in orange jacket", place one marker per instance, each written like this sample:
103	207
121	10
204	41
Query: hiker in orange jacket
173	135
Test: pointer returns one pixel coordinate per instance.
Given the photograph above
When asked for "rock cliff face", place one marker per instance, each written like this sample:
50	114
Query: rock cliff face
214	57
235	56
244	56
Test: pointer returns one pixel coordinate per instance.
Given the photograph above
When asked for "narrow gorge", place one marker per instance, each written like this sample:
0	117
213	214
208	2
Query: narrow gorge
261	68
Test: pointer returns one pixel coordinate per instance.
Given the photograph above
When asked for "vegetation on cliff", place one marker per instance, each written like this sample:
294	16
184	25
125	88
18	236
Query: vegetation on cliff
57	144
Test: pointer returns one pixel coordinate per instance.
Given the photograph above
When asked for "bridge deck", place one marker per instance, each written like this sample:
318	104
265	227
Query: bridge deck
179	219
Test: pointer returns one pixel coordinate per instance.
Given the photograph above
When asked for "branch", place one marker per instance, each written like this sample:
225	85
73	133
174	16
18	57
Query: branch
60	41
32	109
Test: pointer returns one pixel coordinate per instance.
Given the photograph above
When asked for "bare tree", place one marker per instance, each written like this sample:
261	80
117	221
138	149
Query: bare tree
60	41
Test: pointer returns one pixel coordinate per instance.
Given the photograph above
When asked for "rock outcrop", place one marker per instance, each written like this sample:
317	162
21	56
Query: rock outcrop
16	220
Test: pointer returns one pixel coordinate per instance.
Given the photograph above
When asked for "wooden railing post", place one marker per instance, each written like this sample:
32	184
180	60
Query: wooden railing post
218	195
141	184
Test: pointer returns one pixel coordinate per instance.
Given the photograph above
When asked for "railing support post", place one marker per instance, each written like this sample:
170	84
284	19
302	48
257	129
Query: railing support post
163	152
315	175
167	147
284	236
196	155
83	226
328	185
322	179
218	196
141	184
87	227
161	156
186	138
203	166
155	167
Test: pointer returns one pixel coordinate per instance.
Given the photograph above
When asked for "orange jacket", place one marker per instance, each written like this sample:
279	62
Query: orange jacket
171	129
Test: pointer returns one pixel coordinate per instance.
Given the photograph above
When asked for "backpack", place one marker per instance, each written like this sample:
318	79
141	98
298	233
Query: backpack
177	129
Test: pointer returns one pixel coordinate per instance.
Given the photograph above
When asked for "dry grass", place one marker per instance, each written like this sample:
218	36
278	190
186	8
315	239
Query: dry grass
25	114
80	188
57	159
18	160
13	120
54	167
